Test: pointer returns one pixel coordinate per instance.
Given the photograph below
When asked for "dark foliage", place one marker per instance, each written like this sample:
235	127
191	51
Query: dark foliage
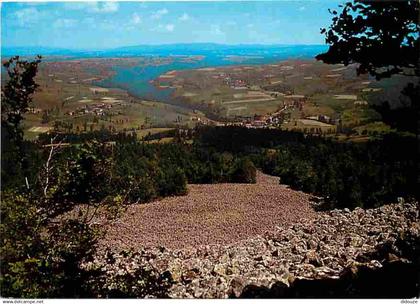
243	140
102	136
41	258
244	171
382	36
405	118
16	97
118	164
347	175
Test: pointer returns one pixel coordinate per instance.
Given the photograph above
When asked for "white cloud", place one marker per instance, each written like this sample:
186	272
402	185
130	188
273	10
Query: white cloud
64	23
162	28
79	5
93	7
101	23
184	17
27	16
158	14
31	3
170	27
216	30
107	7
135	19
107	25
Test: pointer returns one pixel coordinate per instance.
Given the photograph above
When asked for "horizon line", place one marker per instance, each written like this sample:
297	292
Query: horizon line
163	44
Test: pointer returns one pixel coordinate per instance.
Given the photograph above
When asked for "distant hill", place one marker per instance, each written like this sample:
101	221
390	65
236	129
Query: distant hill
34	50
171	49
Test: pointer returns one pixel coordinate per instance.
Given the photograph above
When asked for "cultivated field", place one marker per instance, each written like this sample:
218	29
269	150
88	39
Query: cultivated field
331	94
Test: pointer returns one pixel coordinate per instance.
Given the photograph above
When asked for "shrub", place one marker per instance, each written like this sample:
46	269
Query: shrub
42	258
141	189
243	171
171	181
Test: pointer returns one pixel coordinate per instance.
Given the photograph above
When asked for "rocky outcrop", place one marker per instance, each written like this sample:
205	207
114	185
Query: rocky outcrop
394	279
337	252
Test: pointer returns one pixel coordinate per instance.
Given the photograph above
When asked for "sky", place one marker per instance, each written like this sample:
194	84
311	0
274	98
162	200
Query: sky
101	25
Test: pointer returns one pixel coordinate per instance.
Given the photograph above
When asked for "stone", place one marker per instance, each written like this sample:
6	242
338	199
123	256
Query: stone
313	258
219	269
392	257
236	286
225	258
233	270
176	272
189	276
312	244
198	294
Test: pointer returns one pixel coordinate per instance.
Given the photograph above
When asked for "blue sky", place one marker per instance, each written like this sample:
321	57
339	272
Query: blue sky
91	25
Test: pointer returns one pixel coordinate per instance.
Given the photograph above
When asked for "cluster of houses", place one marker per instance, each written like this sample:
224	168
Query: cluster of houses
323	118
238	84
276	119
295	100
234	83
220	76
256	121
263	121
96	109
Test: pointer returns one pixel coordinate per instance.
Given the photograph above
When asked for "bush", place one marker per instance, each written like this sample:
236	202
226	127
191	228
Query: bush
141	189
171	181
243	171
42	258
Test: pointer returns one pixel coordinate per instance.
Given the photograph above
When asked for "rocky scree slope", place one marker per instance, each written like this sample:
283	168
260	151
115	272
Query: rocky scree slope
220	213
327	247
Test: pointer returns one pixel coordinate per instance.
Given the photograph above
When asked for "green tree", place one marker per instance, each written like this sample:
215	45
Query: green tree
383	38
45	117
244	171
42	257
16	97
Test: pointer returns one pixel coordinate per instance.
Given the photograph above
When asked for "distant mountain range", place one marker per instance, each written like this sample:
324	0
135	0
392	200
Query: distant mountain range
168	49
